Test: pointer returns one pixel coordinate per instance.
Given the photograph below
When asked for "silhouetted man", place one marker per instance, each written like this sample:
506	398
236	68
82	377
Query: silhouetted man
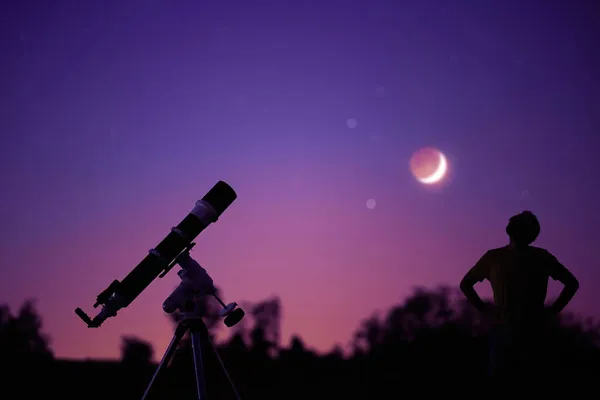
518	274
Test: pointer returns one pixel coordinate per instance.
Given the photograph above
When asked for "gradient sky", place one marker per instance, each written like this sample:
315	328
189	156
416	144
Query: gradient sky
116	116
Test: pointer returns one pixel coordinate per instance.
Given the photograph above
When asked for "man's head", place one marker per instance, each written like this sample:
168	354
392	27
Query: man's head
523	228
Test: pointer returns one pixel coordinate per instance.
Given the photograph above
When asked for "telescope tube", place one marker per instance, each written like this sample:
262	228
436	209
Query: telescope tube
120	294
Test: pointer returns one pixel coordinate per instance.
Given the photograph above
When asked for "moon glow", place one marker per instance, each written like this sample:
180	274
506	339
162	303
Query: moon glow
429	166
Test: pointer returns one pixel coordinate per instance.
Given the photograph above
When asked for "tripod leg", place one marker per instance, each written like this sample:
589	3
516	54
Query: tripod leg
179	332
237	395
198	364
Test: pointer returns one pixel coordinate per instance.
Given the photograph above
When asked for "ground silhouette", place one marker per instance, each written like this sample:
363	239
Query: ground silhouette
433	336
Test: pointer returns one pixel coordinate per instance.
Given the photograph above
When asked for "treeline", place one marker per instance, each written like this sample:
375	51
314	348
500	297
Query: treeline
433	336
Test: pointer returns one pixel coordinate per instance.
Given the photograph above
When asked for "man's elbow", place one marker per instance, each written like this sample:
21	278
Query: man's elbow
465	285
572	285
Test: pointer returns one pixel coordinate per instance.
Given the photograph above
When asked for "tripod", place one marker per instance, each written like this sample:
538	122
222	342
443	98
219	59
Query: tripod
195	283
198	333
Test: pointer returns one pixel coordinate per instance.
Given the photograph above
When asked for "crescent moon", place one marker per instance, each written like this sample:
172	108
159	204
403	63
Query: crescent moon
439	173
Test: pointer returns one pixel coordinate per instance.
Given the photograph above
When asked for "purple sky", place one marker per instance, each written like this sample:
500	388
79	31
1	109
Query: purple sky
116	116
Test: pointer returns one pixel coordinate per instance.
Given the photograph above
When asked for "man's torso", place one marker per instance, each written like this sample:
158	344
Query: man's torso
519	280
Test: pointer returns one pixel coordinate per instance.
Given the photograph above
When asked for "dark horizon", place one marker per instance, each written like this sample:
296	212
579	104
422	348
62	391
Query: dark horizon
223	335
425	338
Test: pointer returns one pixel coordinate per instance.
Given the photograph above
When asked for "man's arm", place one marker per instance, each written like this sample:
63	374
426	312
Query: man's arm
560	273
477	273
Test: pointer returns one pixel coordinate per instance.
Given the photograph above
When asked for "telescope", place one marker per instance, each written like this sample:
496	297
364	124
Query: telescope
160	260
195	285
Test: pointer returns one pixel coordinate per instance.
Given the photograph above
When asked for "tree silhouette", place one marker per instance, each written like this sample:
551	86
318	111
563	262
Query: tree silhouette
21	335
236	346
296	345
266	330
136	352
434	334
369	335
423	313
